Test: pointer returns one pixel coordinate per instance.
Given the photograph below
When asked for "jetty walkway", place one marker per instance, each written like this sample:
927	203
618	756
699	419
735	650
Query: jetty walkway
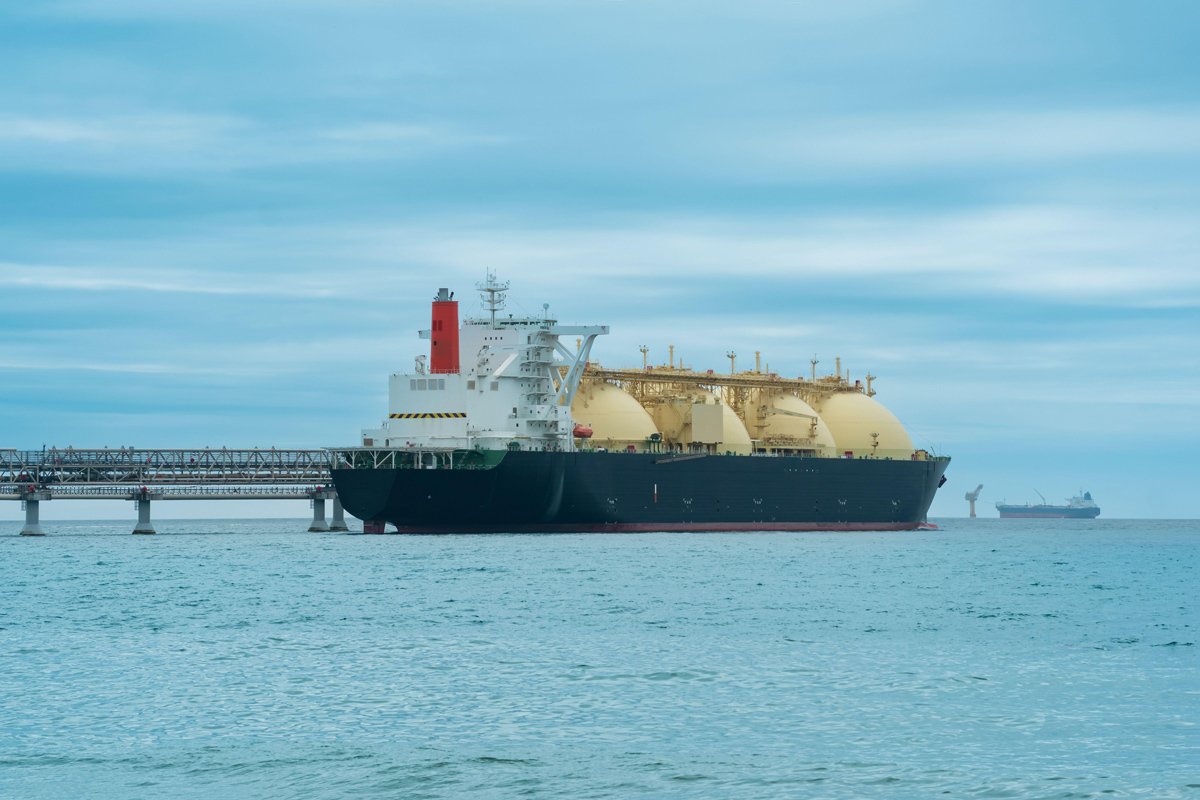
142	476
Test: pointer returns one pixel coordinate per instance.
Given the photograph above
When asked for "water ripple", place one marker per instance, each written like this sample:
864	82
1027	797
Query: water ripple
230	660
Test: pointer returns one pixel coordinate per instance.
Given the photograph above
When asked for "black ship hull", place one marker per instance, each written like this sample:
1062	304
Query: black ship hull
596	491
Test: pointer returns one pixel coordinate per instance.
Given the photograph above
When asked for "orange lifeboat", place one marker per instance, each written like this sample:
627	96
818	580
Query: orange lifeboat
582	431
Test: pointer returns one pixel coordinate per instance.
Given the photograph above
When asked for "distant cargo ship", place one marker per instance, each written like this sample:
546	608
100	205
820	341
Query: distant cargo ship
1079	507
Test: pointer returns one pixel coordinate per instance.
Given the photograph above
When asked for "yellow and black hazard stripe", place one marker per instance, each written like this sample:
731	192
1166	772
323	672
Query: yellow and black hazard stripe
431	415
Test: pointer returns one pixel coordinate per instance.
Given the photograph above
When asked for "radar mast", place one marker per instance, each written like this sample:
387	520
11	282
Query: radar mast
492	293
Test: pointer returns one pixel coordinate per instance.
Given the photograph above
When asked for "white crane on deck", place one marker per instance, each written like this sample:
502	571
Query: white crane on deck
972	497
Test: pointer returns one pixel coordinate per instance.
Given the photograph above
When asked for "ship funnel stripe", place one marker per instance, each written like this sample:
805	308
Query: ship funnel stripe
431	415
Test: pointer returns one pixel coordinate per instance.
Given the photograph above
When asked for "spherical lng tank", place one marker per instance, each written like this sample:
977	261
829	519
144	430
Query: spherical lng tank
616	419
853	418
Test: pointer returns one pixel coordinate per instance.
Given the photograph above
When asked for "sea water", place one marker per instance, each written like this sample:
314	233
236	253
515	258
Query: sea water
990	658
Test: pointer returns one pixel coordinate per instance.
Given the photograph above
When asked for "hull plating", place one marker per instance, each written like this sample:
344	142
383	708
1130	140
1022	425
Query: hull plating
623	492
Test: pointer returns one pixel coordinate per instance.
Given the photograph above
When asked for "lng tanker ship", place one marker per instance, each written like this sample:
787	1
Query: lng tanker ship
505	428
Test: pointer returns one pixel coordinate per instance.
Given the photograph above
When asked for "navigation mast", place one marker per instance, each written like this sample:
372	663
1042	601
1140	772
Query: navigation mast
492	293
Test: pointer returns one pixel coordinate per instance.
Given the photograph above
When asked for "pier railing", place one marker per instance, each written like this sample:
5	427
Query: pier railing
143	476
13	491
161	467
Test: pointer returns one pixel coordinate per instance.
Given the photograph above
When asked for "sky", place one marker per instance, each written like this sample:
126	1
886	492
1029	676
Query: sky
221	222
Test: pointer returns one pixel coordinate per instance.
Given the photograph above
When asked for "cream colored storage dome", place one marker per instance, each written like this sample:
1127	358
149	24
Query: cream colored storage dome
703	419
613	415
790	426
852	417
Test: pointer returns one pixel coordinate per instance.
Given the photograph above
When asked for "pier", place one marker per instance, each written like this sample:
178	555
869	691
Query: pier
143	477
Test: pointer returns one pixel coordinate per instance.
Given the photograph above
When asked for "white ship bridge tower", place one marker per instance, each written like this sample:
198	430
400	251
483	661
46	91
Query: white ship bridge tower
493	383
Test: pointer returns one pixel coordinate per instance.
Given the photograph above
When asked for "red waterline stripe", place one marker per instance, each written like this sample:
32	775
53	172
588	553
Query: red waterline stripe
650	527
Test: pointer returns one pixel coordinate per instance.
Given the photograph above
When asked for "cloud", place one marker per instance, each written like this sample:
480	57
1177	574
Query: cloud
391	133
984	140
152	9
209	8
126	131
1054	254
1069	255
44	364
174	281
193	351
152	142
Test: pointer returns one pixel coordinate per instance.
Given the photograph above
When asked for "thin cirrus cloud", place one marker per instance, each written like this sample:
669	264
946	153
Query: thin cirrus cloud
125	131
152	9
1099	255
983	140
201	354
43	364
182	142
171	281
1077	255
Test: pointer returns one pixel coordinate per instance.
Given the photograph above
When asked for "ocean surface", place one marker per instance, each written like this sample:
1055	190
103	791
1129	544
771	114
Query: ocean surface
249	659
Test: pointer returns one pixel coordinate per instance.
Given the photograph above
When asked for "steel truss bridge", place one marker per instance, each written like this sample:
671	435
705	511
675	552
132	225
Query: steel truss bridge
35	476
163	467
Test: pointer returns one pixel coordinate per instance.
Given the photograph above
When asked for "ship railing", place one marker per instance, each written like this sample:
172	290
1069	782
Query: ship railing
374	458
422	457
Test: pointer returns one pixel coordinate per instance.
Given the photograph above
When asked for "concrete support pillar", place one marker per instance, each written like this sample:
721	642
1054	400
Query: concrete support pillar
319	525
33	527
143	524
339	516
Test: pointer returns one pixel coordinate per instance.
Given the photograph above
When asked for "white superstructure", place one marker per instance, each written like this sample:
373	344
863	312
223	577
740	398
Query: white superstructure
508	384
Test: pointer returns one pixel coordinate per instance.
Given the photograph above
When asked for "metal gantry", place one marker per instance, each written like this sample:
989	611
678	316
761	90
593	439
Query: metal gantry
741	391
143	475
163	466
651	382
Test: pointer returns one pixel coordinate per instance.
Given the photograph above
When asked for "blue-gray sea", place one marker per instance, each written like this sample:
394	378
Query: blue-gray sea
249	659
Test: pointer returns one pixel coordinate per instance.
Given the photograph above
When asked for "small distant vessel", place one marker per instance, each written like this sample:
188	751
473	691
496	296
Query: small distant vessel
1081	506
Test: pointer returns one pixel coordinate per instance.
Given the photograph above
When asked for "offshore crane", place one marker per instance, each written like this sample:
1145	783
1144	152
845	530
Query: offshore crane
972	497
